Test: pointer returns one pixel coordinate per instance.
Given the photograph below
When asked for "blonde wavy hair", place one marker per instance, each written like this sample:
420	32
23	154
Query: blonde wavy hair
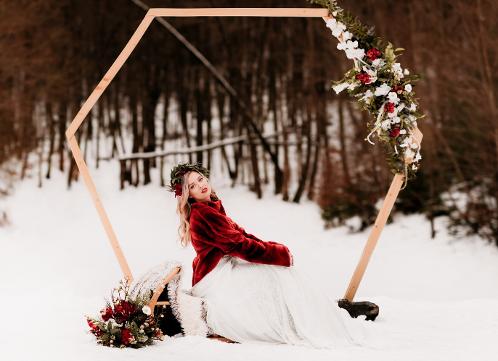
183	210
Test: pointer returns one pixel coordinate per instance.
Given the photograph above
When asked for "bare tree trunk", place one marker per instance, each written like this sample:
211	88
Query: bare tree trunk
51	130
207	108
62	131
73	169
184	99
220	99
134	171
316	160
488	87
100	122
342	140
305	167
199	91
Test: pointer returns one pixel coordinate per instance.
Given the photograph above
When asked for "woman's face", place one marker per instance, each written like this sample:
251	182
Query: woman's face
198	187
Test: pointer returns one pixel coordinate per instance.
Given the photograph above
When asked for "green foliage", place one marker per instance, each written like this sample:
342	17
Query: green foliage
180	169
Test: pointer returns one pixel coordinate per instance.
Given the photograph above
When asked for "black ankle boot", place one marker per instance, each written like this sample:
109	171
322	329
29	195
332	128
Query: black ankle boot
369	309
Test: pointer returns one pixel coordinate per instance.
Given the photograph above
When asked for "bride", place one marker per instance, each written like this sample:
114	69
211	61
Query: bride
250	287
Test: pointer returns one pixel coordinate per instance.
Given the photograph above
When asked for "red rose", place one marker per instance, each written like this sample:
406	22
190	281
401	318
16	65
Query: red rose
394	132
91	324
373	54
364	78
126	336
106	313
397	89
93	327
123	310
389	107
178	190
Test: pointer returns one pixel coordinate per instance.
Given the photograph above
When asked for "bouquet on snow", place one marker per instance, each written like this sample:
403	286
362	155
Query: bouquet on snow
125	321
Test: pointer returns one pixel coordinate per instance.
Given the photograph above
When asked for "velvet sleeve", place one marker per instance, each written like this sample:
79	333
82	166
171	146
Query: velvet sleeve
252	236
217	230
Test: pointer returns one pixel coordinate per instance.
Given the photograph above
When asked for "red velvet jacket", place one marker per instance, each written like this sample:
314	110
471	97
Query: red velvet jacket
214	235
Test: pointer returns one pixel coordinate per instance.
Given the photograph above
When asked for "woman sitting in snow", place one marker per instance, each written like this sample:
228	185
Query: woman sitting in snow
251	290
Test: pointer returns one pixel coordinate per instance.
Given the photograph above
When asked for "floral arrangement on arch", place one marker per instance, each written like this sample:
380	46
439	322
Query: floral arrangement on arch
125	322
380	85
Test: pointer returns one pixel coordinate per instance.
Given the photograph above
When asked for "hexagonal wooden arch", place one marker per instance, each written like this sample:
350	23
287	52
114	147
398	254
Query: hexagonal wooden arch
121	59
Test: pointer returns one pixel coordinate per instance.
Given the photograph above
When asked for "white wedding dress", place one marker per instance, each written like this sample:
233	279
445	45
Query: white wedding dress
250	302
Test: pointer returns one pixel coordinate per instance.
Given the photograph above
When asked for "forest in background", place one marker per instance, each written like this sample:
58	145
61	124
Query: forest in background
278	75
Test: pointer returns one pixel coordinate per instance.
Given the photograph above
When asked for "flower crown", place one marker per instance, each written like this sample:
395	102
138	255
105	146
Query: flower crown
179	171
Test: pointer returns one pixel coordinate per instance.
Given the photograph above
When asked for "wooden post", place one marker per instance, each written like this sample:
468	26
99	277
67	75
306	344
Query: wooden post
160	288
378	226
100	209
73	144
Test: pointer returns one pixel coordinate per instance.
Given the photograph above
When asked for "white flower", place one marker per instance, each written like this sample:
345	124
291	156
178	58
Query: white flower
400	107
346	36
386	124
338	30
114	323
409	153
351	49
353	85
393	114
367	96
393	97
396	120
355	53
336	26
146	310
340	87
396	69
412	118
402	131
406	72
382	89
331	23
413	107
342	45
408	88
352	44
378	62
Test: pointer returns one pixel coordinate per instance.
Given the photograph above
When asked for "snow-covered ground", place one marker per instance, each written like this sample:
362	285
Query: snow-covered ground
438	297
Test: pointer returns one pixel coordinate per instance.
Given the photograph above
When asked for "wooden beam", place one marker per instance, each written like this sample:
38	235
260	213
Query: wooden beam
111	73
261	12
160	288
378	226
75	149
80	117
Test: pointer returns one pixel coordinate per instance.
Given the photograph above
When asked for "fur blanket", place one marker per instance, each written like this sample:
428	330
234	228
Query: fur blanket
188	310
